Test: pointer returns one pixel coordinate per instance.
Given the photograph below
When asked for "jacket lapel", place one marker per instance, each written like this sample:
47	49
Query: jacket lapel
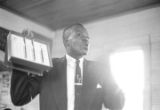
60	85
85	88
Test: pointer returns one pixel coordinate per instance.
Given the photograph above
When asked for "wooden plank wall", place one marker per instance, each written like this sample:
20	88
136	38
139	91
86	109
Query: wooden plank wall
155	72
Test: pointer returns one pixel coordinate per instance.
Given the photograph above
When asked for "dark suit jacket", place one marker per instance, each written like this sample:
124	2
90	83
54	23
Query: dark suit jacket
52	87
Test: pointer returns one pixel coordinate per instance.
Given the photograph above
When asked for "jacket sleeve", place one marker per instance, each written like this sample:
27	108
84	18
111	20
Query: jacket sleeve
24	87
113	96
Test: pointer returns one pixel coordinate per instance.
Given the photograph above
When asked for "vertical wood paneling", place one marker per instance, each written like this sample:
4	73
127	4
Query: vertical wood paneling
155	58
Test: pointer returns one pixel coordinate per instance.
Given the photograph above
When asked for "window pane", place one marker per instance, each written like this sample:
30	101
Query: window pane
127	68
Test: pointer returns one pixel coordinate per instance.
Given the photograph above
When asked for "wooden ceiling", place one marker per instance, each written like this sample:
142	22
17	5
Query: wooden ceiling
58	13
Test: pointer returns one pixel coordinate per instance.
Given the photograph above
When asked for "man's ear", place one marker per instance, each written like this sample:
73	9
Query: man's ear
66	43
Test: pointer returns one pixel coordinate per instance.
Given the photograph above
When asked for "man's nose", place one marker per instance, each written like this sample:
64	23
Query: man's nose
86	41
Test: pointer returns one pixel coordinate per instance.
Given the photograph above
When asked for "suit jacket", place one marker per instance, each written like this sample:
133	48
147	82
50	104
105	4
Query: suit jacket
98	88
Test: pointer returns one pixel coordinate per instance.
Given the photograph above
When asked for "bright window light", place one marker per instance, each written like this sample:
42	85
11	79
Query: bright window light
127	68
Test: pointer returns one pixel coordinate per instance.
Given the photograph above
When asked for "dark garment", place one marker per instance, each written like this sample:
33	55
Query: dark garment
52	87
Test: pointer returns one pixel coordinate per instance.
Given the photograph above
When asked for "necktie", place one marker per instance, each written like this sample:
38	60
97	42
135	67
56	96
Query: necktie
78	86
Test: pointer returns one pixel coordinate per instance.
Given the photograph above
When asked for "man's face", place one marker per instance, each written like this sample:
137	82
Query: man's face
78	42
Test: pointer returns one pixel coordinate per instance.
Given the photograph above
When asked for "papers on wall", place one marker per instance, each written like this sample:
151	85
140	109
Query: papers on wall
31	50
45	55
41	53
38	53
17	46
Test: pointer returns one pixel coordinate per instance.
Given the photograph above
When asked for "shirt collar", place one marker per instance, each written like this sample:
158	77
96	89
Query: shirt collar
72	60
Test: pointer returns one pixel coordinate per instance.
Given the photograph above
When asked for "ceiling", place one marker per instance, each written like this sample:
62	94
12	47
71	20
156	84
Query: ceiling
58	13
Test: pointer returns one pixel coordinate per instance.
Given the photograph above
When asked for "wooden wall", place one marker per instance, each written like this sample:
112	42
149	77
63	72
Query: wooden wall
155	72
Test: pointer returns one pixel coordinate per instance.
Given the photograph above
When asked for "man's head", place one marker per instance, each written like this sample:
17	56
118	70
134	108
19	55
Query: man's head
76	40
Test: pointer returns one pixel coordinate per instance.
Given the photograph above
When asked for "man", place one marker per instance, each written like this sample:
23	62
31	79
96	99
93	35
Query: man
69	85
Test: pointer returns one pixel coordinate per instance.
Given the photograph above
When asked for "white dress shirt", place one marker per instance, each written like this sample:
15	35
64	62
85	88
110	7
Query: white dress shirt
71	69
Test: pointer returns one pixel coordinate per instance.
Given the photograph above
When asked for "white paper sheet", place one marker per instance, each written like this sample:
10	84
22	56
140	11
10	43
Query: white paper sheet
17	46
29	49
38	53
45	54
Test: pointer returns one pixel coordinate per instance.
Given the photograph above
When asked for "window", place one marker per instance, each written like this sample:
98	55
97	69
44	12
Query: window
127	68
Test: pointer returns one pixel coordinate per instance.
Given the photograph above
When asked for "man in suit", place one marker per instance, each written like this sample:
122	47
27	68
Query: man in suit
73	83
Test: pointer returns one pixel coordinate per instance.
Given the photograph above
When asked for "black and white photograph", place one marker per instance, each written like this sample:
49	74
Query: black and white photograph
79	55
